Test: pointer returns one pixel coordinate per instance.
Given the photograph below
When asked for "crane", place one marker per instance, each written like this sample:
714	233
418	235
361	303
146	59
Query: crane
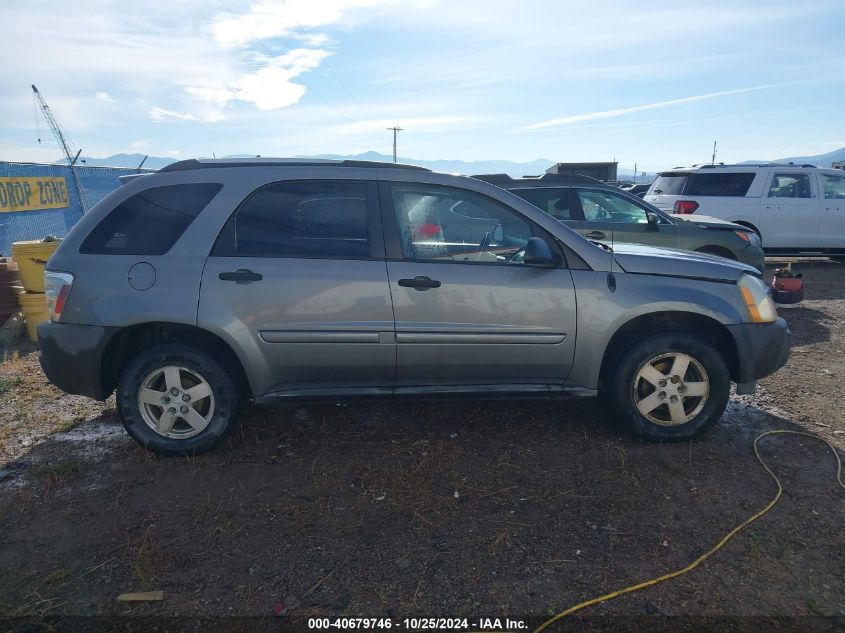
65	145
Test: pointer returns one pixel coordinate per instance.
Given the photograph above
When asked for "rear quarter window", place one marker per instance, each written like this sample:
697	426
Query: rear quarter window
705	184
150	222
671	184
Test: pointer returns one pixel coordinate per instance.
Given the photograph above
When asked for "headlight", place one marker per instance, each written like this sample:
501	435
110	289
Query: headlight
761	308
749	236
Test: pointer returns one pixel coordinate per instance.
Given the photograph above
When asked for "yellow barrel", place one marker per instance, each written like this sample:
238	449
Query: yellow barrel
32	257
34	306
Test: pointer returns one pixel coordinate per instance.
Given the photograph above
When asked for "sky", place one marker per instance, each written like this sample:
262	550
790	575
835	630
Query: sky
652	82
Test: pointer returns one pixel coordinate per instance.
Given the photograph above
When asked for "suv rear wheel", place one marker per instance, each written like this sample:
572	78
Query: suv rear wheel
670	387
177	400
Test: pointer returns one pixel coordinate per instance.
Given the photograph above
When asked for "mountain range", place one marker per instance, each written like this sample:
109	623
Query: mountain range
822	160
534	167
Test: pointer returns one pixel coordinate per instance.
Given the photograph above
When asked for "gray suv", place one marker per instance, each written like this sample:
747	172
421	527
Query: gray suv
208	283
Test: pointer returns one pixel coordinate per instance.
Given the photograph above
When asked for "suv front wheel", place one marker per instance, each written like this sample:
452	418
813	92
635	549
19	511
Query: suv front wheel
670	387
177	400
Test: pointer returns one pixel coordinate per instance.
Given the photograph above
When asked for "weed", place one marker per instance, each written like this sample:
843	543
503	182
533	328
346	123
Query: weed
7	383
69	468
146	559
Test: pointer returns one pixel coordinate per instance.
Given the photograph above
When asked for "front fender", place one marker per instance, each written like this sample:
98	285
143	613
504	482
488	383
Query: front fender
601	313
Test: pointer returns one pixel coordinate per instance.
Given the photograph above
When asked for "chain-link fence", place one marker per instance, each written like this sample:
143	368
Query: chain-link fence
28	190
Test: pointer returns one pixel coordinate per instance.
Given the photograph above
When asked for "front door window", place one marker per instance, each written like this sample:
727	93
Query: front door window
605	206
442	223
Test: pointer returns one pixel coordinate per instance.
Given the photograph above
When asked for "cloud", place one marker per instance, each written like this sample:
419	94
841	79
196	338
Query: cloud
428	124
266	20
160	114
607	114
157	114
218	96
271	87
104	96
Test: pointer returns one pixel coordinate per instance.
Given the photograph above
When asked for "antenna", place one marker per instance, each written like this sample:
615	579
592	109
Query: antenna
713	160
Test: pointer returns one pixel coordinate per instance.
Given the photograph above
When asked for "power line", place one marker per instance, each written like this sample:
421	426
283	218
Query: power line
287	66
331	69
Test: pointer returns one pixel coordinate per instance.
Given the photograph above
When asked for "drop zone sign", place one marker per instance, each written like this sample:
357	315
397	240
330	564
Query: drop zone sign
32	193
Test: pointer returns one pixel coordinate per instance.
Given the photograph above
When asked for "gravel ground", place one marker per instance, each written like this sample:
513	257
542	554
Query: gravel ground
459	508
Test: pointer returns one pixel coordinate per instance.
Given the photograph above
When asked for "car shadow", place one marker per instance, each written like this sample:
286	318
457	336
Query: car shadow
808	325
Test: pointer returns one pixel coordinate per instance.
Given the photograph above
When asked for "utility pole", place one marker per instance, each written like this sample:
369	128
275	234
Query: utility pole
713	160
635	171
395	130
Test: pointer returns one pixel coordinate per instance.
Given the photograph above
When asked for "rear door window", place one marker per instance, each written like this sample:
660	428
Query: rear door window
556	201
669	184
150	222
719	184
319	219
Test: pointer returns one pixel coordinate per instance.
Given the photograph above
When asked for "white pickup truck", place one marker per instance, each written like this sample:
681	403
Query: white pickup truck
796	209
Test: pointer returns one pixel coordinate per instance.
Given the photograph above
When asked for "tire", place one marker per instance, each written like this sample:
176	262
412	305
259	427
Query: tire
196	373
630	390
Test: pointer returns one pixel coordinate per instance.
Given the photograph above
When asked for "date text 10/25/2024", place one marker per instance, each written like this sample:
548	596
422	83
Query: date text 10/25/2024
418	624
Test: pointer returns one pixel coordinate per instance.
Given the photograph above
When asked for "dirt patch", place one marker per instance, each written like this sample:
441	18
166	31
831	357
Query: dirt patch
448	508
810	387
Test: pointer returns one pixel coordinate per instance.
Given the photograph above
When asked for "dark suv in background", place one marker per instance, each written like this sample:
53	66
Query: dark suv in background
599	211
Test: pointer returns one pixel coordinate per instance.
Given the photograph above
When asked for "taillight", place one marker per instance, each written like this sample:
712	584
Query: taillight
57	288
685	207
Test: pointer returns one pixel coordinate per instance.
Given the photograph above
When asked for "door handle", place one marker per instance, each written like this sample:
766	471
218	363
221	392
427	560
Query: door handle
419	283
595	235
241	276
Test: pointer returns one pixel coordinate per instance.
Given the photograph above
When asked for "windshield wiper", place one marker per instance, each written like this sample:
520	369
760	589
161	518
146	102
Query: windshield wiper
602	245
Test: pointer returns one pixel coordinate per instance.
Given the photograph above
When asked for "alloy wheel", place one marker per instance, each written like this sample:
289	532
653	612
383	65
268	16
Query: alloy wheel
176	402
671	389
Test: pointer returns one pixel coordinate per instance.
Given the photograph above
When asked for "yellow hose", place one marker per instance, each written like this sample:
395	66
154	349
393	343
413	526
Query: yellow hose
715	548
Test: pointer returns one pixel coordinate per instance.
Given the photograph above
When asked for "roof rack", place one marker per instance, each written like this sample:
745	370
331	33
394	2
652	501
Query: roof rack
497	178
204	163
749	165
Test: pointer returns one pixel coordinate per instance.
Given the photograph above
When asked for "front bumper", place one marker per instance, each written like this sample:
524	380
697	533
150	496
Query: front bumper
753	256
762	348
72	355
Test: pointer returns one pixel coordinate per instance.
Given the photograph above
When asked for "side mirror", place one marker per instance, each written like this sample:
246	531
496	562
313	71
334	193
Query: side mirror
653	218
539	253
